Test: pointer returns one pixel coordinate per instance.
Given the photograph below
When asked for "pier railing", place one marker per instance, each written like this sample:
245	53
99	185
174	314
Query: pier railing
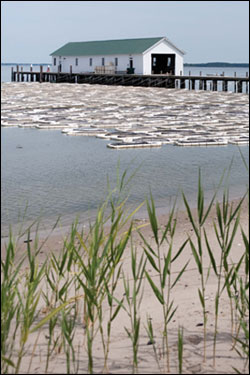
211	83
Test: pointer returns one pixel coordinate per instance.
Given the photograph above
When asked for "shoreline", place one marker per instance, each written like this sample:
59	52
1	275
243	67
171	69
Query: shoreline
66	220
53	238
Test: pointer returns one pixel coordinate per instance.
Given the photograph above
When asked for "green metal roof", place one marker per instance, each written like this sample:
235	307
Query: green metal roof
106	47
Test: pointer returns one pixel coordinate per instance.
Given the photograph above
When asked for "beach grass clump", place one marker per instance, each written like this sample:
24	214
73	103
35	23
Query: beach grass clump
198	250
228	219
29	294
240	284
161	262
10	309
133	297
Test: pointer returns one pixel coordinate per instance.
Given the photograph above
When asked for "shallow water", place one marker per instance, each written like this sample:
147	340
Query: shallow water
57	174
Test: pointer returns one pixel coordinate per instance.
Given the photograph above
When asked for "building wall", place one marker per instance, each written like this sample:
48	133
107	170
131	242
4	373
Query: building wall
84	67
162	47
141	62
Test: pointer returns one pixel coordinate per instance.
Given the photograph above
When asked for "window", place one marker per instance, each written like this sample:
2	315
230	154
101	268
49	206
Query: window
76	61
116	61
54	60
103	61
90	61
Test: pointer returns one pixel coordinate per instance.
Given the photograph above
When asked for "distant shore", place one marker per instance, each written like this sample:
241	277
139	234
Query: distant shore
219	65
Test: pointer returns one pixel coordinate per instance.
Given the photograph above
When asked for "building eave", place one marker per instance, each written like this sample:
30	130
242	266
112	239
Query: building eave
168	42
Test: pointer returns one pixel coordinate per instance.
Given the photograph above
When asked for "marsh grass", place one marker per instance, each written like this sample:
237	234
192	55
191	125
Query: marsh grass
9	308
150	332
197	248
228	219
78	287
240	284
133	297
161	262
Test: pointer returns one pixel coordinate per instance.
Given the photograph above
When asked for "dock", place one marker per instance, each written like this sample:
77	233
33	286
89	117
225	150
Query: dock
211	83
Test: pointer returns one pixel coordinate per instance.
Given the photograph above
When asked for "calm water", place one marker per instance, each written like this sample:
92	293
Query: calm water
57	174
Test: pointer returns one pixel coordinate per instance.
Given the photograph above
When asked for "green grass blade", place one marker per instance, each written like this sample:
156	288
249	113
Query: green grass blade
52	314
168	226
117	309
151	260
180	274
210	254
171	315
196	257
166	265
212	200
190	215
219	218
236	224
180	348
200	198
155	289
8	361
152	218
201	298
180	250
147	244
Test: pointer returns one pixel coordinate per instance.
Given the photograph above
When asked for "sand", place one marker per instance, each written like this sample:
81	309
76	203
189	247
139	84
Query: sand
188	314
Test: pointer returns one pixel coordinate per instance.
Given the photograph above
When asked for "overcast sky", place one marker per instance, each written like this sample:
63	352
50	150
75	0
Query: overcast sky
206	30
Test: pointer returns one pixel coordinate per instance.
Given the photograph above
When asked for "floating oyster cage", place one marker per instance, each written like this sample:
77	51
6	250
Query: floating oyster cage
123	145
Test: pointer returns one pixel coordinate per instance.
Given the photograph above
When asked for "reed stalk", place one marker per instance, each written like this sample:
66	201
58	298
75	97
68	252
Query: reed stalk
10	309
150	333
28	299
134	298
197	249
163	268
225	236
180	349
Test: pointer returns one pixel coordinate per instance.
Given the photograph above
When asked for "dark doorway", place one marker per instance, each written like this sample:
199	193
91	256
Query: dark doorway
163	63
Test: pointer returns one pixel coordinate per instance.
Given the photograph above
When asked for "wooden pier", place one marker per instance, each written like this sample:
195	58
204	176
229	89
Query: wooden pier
211	83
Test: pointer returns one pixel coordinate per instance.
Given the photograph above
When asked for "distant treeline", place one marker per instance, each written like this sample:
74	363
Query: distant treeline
219	65
26	64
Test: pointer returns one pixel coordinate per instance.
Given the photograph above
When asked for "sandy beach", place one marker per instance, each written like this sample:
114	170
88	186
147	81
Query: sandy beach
184	295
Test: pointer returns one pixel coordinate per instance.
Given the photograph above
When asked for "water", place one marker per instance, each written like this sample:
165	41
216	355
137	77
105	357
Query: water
57	174
61	175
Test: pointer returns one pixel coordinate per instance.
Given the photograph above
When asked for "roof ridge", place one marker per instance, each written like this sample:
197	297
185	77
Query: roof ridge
116	40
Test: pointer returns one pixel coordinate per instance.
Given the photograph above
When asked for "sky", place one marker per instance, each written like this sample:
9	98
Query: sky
206	30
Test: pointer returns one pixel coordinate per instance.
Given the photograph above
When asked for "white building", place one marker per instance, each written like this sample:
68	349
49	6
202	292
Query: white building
141	56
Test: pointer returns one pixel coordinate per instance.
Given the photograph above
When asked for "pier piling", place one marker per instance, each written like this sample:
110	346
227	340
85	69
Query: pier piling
213	83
